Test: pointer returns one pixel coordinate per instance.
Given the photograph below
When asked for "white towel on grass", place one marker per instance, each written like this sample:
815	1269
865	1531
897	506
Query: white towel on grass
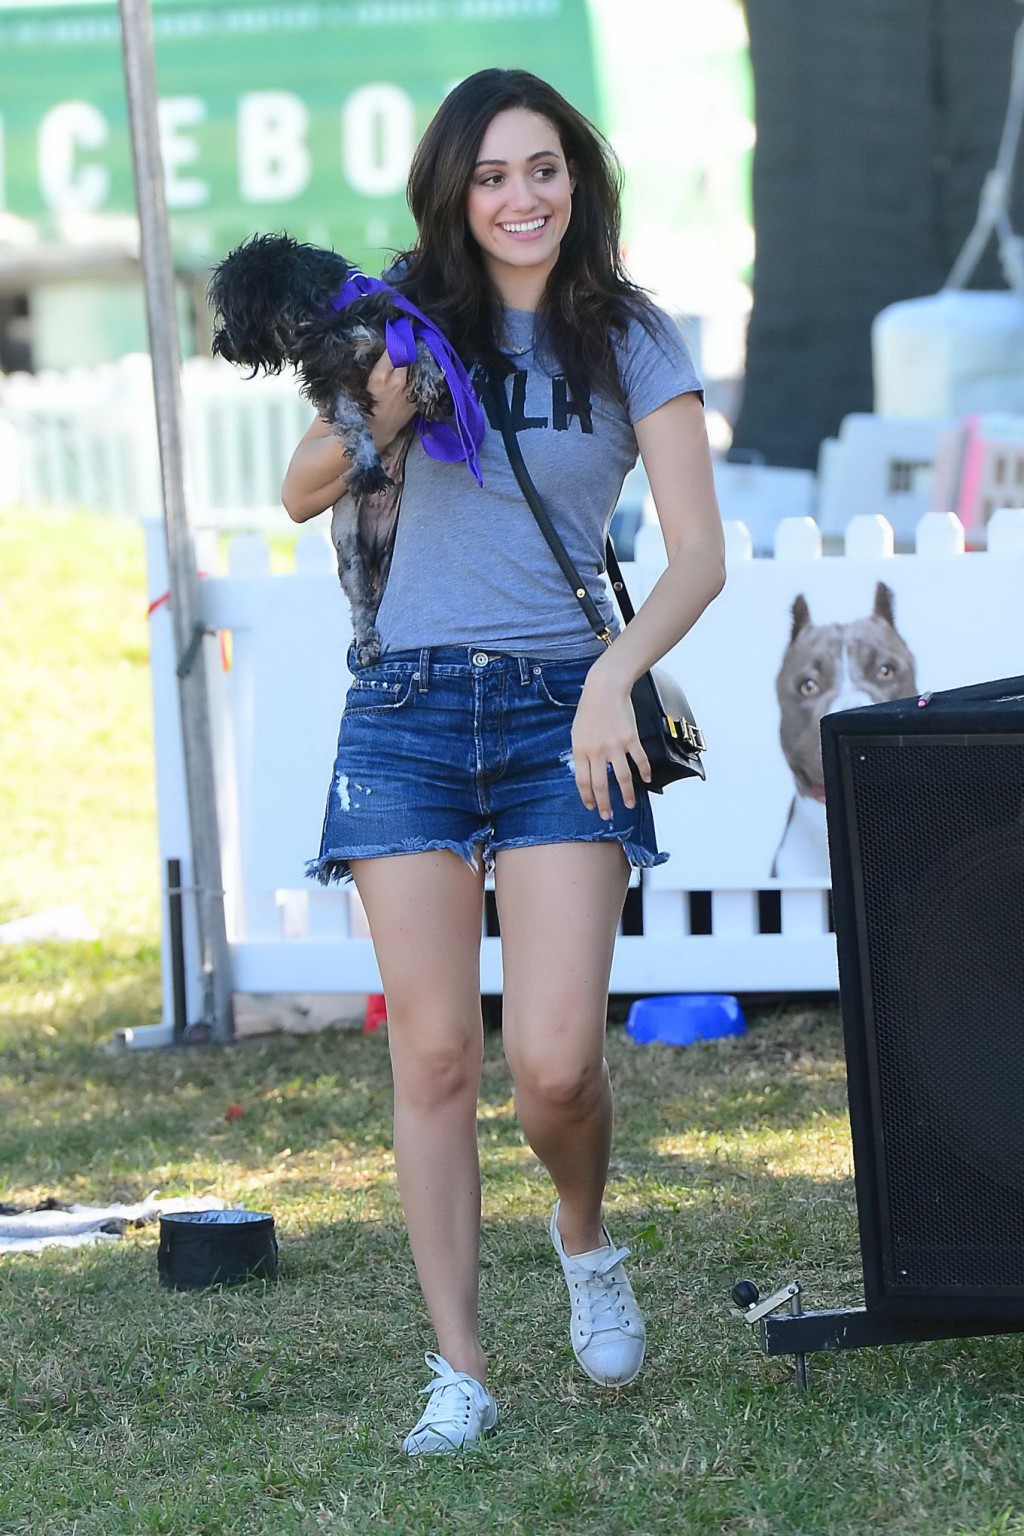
31	1231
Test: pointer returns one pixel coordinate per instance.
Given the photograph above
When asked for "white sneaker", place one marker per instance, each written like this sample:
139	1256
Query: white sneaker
459	1411
607	1331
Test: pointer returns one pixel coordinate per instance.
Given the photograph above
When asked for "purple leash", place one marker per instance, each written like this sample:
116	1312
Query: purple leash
450	444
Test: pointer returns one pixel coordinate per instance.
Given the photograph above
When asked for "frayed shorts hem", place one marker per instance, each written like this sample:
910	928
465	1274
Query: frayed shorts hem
638	856
334	868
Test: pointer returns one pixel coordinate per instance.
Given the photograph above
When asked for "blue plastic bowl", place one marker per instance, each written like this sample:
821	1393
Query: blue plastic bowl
684	1018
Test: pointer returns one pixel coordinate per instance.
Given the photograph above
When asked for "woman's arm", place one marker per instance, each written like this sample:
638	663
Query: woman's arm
315	477
674	448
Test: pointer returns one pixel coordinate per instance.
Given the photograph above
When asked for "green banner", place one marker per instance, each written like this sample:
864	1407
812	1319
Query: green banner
273	116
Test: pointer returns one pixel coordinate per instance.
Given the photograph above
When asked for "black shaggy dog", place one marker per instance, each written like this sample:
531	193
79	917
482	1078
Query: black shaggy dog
272	301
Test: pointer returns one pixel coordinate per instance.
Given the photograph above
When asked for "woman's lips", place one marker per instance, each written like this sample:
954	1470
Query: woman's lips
525	234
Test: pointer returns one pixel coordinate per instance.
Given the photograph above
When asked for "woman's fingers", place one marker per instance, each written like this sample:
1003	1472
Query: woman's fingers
388	385
620	767
642	761
606	743
382	377
593	778
392	408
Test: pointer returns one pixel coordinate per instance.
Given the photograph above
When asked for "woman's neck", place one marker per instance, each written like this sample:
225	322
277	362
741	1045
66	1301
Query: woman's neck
520	290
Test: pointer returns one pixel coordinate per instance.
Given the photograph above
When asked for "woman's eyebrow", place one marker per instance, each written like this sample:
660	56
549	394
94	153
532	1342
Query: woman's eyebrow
542	154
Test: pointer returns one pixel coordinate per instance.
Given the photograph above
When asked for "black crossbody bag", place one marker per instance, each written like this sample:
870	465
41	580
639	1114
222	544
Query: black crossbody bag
671	738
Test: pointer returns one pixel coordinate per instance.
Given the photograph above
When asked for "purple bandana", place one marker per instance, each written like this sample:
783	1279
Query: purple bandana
441	441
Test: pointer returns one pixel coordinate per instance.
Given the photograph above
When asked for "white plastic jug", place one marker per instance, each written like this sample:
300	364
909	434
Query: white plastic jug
950	354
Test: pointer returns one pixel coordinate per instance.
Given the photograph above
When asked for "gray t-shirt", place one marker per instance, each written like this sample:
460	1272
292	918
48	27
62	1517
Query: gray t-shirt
470	565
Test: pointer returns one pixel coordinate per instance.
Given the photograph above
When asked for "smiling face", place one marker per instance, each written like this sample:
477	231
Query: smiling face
519	204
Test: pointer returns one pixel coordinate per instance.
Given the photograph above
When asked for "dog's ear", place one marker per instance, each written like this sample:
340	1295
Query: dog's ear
801	616
883	604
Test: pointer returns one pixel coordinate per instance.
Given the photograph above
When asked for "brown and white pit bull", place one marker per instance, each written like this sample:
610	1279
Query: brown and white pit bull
829	667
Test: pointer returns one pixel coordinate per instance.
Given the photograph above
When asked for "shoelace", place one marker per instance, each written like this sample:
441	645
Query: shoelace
447	1380
600	1299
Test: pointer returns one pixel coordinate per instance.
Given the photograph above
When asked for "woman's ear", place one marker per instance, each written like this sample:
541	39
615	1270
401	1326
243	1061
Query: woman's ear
573	178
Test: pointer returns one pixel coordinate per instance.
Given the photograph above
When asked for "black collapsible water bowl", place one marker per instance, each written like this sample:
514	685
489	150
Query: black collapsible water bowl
202	1248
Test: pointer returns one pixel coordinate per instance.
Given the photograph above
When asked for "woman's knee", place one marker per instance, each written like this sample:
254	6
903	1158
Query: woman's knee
431	1073
567	1084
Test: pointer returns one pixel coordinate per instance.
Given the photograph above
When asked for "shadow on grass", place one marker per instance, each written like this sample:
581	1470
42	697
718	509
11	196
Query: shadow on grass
98	1318
293	1389
131	1122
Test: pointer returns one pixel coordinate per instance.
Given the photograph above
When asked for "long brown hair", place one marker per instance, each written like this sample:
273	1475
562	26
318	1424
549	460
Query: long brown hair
589	297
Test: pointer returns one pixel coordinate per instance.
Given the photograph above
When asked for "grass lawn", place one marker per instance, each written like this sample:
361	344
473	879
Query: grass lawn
125	1409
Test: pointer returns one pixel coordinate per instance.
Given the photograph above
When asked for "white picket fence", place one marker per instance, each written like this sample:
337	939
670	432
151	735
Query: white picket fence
703	915
713	918
87	438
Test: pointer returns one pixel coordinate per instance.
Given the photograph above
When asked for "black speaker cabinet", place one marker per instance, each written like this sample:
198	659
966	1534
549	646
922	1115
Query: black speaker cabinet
925	808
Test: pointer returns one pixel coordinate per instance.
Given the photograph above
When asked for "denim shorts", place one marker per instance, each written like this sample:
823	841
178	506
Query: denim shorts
456	747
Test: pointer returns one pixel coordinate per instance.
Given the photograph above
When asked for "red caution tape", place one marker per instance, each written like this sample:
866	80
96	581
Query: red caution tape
224	634
165	597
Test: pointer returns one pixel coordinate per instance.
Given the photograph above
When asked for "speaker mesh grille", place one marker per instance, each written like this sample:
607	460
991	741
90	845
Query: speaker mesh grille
939	829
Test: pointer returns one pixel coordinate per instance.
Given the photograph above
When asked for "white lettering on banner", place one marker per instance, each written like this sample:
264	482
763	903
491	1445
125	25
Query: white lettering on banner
274	162
179	149
378	126
65	186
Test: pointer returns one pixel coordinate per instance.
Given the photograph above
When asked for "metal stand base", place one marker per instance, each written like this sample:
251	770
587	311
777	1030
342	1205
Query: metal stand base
798	1333
748	1298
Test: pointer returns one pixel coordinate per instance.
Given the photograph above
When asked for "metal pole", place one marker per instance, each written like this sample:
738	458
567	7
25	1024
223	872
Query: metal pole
161	310
994	204
796	1307
176	939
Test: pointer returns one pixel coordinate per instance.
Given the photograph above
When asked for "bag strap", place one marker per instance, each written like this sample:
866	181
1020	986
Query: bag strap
683	725
618	582
499	400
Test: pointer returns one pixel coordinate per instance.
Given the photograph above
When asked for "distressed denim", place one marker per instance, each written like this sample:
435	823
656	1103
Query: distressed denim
455	747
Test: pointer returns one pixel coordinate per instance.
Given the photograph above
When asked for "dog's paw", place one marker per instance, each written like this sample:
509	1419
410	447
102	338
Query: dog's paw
368	649
369	480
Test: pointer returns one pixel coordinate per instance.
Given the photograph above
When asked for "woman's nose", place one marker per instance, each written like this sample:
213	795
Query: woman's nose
522	193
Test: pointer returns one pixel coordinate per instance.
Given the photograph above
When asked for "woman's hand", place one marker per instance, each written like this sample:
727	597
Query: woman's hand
604	732
316	476
393	409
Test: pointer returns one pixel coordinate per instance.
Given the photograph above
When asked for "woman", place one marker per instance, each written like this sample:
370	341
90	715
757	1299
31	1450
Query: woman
496	731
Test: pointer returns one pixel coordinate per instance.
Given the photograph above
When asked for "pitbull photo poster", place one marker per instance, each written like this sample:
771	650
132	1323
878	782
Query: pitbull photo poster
787	642
828	667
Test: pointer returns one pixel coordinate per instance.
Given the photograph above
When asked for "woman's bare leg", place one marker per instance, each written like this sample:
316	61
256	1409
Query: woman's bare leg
559	906
425	916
